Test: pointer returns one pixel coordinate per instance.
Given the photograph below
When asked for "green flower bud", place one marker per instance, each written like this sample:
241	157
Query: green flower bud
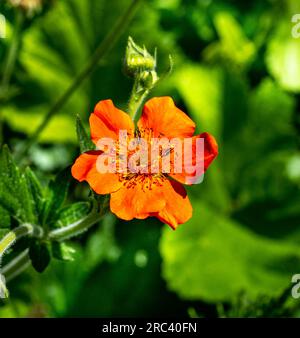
137	59
148	79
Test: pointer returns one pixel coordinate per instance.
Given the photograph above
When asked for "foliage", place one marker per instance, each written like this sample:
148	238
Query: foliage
236	73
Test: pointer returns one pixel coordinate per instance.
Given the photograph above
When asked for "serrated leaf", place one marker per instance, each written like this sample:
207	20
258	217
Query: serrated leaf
72	213
14	191
28	201
58	189
39	255
84	140
10	202
4	218
63	251
9	170
36	193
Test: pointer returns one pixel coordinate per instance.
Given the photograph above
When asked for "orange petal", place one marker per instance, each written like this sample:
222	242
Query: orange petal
84	169
137	201
178	208
210	152
161	115
107	120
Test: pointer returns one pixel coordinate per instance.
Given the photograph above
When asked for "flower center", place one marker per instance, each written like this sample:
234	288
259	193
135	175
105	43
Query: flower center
144	176
145	181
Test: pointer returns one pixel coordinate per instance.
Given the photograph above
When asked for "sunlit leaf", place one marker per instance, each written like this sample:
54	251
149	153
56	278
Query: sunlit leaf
62	251
213	258
233	44
283	57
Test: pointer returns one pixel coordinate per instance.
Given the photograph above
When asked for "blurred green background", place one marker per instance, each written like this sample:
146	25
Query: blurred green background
237	74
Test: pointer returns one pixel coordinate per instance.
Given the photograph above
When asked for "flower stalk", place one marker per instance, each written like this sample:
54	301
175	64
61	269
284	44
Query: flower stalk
76	228
18	233
141	66
136	100
16	266
22	261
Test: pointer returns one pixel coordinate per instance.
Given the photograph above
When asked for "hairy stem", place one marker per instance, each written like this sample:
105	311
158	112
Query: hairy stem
136	99
104	47
22	261
16	266
76	228
21	231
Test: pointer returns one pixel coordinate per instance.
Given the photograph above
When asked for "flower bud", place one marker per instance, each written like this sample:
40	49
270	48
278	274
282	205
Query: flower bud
137	59
148	79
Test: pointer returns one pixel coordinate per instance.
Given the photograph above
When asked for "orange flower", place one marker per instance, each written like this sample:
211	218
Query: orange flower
140	195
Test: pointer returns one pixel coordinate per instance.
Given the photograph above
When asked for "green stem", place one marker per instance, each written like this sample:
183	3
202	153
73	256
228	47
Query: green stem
17	233
76	228
104	47
136	99
22	261
16	266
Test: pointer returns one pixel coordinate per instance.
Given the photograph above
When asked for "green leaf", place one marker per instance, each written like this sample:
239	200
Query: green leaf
192	79
4	218
261	307
85	142
39	255
53	53
58	130
28	201
261	156
206	110
58	189
37	193
282	57
233	44
15	195
10	202
213	258
72	213
8	167
63	251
